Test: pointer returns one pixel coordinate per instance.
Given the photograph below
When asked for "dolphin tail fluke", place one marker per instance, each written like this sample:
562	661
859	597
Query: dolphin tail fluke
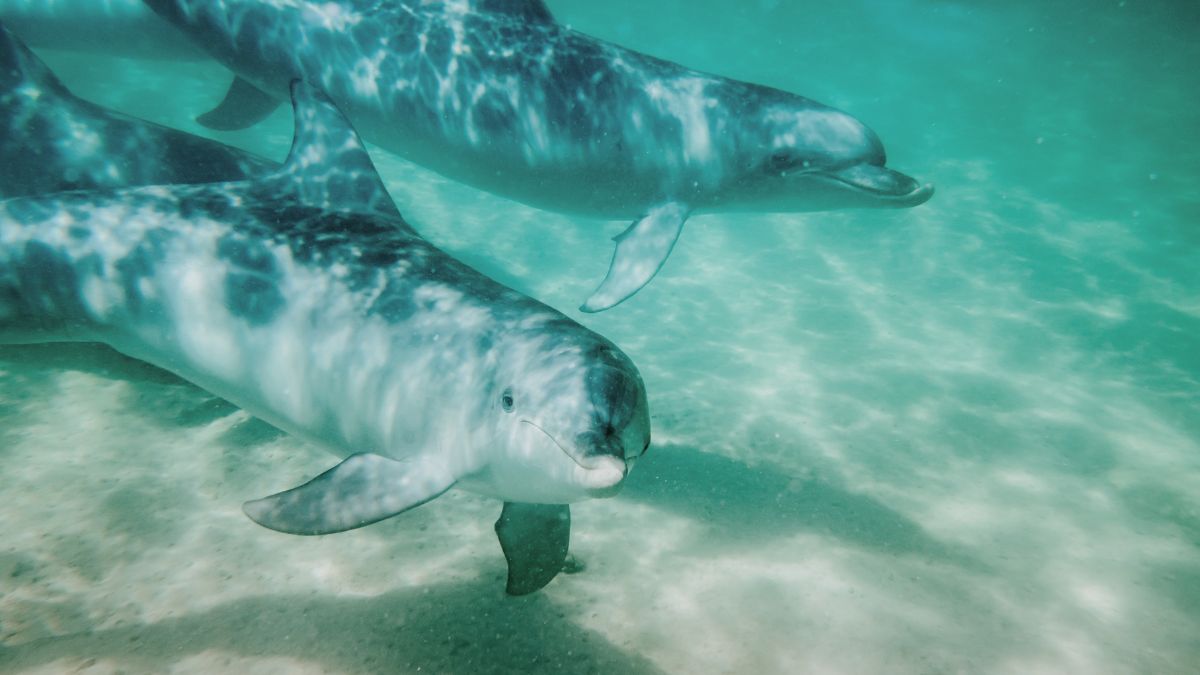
641	251
244	106
534	538
364	489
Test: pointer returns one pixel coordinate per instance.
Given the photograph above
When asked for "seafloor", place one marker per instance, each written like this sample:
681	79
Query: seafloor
961	438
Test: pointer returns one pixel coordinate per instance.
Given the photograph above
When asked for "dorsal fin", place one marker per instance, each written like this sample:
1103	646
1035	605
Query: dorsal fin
328	166
529	10
19	66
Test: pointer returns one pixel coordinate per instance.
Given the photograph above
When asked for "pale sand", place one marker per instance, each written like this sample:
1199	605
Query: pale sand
957	439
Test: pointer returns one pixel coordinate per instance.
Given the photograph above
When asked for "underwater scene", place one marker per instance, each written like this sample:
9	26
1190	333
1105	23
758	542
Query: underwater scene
915	355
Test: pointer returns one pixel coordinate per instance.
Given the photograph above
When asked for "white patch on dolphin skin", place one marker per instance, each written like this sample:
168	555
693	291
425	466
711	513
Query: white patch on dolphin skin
816	129
685	98
98	297
280	351
451	7
366	73
29	91
331	16
538	138
84	141
204	330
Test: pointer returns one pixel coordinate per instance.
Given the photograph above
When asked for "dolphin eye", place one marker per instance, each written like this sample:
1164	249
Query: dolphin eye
506	400
780	162
783	162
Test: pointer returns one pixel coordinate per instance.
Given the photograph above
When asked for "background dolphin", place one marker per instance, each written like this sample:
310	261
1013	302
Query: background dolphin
116	27
303	297
53	141
497	94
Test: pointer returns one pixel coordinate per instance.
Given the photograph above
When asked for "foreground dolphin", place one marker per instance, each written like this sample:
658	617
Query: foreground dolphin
305	298
495	93
51	141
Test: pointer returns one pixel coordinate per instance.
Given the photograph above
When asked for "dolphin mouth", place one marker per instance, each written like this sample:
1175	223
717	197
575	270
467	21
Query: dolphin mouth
889	187
602	476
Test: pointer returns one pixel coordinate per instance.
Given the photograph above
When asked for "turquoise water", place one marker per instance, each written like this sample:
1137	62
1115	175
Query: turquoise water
960	438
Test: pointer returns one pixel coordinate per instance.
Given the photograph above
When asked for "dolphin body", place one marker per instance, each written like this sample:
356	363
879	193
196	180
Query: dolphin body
114	27
497	94
52	141
303	297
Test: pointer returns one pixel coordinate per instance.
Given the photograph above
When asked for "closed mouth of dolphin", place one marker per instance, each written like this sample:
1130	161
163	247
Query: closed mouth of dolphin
881	181
567	452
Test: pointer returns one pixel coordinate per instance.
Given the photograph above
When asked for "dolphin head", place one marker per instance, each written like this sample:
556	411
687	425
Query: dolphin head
794	154
571	413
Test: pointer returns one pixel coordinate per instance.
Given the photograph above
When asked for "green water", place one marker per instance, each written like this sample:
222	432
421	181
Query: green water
960	438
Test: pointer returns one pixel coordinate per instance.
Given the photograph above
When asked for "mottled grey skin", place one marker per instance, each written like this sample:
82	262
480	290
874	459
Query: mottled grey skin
305	298
495	93
51	141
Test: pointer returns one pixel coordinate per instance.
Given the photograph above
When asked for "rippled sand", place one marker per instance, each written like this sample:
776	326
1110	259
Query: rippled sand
962	438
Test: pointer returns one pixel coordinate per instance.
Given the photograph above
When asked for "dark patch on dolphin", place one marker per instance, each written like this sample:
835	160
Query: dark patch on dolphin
52	141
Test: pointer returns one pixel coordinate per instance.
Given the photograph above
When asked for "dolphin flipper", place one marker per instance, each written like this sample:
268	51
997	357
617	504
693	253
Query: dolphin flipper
361	490
641	251
244	106
534	538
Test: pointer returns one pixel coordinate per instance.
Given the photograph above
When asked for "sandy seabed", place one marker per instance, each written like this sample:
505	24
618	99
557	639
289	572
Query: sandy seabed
962	438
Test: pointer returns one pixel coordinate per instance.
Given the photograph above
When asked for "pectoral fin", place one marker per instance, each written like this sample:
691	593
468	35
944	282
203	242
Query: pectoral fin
244	106
361	490
535	539
641	251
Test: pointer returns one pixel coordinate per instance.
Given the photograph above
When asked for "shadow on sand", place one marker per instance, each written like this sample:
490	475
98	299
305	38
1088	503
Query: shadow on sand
159	396
740	504
467	628
87	357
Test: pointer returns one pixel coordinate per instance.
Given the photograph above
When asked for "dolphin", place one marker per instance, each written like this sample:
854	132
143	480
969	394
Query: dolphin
497	94
52	141
303	297
124	28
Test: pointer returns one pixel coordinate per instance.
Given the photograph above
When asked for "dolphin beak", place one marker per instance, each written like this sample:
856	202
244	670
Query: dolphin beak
605	477
600	474
605	468
603	463
888	187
